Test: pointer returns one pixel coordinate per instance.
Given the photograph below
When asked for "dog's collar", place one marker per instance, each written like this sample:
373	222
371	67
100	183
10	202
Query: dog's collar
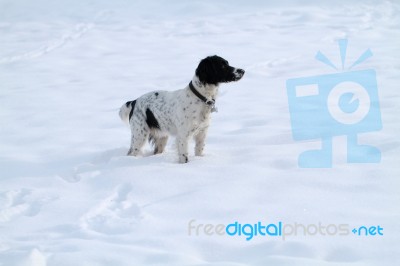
210	103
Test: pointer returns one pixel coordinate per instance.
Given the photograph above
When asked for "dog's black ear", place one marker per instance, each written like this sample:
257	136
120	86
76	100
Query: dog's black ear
206	72
202	70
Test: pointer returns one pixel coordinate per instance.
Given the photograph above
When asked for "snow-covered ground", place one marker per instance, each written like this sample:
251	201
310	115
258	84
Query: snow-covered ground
70	196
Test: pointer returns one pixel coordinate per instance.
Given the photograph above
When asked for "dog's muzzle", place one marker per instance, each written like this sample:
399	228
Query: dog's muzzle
238	73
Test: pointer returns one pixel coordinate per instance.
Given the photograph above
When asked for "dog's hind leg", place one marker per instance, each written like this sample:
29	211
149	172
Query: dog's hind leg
138	139
159	144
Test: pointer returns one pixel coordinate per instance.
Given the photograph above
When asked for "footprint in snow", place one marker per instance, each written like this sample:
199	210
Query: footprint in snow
20	202
75	174
95	166
117	214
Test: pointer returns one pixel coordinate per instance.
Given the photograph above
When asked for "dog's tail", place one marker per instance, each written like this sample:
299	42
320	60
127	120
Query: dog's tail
126	111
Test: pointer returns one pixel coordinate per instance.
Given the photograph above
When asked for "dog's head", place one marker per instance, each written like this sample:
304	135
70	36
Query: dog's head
215	69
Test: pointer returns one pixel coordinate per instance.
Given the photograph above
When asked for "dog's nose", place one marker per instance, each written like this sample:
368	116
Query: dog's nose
238	74
240	71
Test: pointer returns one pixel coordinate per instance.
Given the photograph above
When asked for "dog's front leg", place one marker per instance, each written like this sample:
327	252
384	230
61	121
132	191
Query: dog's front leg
182	142
200	141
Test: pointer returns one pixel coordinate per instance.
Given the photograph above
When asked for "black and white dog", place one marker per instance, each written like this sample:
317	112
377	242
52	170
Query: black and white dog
183	113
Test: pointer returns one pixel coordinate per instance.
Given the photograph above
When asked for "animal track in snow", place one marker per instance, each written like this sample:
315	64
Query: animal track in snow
20	202
114	215
79	30
94	166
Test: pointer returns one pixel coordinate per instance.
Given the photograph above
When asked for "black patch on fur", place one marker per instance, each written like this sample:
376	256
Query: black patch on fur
132	103
214	70
156	94
151	120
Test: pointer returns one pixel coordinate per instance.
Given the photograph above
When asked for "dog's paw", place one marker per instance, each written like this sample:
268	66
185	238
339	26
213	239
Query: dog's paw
183	158
133	152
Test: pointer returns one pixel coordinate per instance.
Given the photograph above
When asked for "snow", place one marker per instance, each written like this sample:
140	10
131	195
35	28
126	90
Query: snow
70	196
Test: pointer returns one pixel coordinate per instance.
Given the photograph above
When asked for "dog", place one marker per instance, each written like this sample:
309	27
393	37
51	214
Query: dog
182	113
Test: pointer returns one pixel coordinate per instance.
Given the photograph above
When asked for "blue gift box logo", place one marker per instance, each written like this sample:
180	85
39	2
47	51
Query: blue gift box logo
325	106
